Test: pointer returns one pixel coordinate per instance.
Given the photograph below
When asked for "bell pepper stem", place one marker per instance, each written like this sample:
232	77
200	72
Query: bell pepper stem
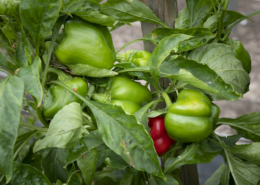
167	99
102	98
121	58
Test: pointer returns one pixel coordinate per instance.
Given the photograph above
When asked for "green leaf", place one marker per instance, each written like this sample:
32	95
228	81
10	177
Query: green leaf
132	69
3	62
211	23
162	51
4	42
98	18
53	161
33	159
248	124
39	16
87	165
79	6
9	28
21	58
73	178
242	172
11	97
192	154
158	181
126	142
89	11
222	60
103	153
128	177
28	175
65	129
31	78
141	115
199	75
215	179
200	37
183	19
249	152
87	70
25	46
58	182
110	177
198	9
231	17
22	140
136	148
130	10
115	161
9	7
156	113
86	143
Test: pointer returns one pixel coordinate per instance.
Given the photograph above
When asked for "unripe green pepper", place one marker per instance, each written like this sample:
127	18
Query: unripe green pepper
57	97
191	117
86	43
126	93
241	54
138	57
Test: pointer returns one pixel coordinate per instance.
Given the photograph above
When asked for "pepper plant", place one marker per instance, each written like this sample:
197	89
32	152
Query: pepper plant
61	69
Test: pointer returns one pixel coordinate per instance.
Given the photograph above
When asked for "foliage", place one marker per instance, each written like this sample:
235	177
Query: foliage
97	142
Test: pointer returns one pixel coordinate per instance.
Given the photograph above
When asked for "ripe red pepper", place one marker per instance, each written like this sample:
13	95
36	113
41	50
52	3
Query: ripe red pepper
162	142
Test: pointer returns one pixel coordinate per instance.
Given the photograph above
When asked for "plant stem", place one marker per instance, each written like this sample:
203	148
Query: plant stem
34	127
215	10
39	114
54	37
5	71
167	99
220	27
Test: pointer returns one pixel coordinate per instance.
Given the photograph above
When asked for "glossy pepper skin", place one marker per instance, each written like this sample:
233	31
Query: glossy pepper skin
57	97
138	57
86	43
241	54
126	93
190	118
162	142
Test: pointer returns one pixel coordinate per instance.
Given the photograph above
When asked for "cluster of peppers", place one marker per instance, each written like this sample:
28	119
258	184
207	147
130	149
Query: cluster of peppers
190	119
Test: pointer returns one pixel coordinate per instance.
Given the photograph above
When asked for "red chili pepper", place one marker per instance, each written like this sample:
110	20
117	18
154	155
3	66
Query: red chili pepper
162	141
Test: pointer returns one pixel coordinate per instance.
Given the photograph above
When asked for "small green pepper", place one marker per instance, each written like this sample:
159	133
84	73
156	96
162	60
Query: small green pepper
138	57
126	93
57	97
191	117
86	43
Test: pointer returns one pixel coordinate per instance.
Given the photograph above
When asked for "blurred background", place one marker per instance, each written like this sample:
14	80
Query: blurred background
248	33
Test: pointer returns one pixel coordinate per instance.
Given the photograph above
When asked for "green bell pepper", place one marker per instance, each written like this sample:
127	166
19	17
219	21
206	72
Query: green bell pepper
191	117
241	54
126	93
86	43
138	57
57	97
